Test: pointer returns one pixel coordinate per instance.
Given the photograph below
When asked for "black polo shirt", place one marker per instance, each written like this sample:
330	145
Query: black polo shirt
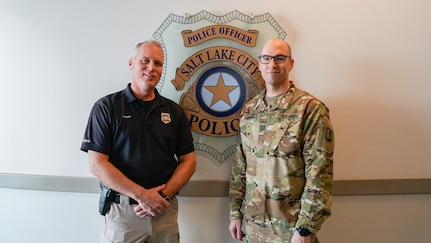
142	139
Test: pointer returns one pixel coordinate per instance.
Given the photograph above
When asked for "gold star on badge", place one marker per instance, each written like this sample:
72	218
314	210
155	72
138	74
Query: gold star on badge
221	91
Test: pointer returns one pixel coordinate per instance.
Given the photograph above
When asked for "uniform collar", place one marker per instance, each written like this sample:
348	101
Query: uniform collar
130	97
281	103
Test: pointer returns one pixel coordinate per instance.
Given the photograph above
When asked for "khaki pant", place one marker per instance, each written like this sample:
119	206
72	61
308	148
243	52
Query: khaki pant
122	225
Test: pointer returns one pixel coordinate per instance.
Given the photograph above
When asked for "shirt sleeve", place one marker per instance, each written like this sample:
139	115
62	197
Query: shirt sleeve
97	136
318	150
185	142
237	184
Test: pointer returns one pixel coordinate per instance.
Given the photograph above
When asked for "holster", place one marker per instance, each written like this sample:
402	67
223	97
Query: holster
106	197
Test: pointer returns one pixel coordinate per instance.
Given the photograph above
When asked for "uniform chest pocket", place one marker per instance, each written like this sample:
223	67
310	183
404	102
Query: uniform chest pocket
285	141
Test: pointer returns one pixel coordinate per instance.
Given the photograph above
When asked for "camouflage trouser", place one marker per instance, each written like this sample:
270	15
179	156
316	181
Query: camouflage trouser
269	233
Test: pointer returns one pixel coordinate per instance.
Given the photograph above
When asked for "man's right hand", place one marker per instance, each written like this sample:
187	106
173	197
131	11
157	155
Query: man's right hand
235	229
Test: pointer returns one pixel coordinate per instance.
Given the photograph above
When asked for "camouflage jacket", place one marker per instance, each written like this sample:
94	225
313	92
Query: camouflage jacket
282	172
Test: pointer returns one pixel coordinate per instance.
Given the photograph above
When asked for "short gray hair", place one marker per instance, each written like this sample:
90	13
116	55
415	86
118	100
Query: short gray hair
150	41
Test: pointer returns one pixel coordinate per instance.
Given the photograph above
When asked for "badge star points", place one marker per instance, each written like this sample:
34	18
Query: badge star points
221	91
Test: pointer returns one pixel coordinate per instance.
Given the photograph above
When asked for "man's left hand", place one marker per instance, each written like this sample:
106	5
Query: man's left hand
297	238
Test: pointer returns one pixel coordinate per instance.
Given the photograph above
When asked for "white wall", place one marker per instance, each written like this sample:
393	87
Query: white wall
368	60
52	217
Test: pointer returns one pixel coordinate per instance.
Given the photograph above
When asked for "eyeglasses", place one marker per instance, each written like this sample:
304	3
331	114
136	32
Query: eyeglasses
266	59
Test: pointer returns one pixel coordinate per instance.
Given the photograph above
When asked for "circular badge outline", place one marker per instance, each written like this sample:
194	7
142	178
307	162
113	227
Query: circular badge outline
204	75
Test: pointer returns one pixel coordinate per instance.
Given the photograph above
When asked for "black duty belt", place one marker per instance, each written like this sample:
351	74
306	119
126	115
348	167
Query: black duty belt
117	199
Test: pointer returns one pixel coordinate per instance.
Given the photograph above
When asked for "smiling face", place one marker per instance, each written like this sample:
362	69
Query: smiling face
276	75
146	67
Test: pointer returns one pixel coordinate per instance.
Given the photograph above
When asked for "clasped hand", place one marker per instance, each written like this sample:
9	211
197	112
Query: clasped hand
151	203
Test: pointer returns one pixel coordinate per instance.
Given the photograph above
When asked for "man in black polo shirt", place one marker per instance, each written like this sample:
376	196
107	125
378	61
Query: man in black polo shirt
140	147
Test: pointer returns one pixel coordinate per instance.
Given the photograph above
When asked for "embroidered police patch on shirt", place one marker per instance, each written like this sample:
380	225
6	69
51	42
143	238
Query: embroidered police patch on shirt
166	118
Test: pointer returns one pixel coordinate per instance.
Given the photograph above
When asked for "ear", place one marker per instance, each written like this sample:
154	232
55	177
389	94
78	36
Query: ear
130	63
291	64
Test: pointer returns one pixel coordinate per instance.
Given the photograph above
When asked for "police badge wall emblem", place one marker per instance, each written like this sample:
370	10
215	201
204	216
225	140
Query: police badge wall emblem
211	63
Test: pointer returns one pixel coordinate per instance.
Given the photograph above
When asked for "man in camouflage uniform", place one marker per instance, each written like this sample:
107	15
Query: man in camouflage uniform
281	184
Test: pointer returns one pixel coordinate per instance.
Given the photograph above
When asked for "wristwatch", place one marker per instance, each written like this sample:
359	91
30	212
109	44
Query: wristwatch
303	231
164	196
